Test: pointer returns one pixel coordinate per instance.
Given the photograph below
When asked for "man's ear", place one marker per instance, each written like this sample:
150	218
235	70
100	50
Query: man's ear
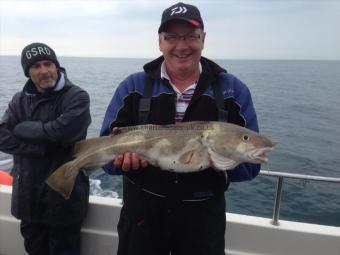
160	42
203	37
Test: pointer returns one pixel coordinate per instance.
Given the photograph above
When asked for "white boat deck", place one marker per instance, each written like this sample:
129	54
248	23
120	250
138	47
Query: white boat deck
245	235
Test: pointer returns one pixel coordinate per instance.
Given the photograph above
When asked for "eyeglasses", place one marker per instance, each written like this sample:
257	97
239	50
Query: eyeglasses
175	38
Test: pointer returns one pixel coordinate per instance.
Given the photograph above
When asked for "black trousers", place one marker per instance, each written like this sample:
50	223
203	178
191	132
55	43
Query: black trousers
150	225
41	239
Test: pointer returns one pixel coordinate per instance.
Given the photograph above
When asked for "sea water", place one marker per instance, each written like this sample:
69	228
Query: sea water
297	105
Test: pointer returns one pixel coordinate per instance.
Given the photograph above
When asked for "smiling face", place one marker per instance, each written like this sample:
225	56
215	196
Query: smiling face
181	54
44	75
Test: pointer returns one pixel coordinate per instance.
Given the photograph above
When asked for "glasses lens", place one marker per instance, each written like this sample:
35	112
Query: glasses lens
174	38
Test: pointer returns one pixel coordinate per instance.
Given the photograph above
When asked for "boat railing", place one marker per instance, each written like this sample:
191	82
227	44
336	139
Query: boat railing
280	177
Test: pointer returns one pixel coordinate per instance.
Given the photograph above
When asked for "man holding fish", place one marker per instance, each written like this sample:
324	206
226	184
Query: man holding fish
171	212
173	130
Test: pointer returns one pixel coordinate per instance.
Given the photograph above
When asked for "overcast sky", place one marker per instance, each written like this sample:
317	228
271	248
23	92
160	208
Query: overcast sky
239	29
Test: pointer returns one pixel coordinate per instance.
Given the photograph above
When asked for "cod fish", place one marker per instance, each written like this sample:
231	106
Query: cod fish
184	148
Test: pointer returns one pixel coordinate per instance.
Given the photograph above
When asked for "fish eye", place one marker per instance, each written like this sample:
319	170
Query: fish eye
246	138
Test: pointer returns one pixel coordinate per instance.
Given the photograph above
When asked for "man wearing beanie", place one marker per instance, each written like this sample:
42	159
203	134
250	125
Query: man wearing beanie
166	212
40	128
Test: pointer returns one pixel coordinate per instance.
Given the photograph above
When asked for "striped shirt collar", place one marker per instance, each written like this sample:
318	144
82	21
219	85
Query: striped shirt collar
164	75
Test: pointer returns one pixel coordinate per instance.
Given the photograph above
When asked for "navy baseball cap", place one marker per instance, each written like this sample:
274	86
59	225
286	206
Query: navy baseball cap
181	11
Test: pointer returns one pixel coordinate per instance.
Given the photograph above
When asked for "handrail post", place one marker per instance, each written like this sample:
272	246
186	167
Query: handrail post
275	220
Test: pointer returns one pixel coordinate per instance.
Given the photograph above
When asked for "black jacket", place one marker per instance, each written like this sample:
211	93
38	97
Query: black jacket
40	131
123	111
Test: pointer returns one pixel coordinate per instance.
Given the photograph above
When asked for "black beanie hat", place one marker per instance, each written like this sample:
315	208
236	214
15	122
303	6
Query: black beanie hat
35	52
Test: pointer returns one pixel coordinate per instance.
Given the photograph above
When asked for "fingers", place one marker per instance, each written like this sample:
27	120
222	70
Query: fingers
118	161
134	161
128	161
126	165
144	163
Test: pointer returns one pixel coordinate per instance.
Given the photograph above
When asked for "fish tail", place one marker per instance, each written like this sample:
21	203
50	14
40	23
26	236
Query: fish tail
62	180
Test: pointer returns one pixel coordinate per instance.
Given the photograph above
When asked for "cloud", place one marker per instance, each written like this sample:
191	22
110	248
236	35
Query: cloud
51	9
235	29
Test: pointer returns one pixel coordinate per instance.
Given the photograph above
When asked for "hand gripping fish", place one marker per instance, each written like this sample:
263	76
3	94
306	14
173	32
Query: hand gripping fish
184	148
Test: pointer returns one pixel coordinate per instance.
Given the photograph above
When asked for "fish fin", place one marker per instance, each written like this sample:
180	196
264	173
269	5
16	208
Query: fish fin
221	163
190	157
62	180
186	157
116	131
120	130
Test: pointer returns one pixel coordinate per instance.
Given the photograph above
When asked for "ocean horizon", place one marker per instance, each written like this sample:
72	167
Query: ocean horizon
297	104
215	59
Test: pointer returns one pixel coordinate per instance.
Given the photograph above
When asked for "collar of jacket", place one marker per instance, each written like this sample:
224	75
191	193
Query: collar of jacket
30	88
209	67
210	73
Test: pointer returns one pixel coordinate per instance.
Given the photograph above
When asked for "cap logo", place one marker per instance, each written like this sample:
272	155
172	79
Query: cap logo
35	51
178	9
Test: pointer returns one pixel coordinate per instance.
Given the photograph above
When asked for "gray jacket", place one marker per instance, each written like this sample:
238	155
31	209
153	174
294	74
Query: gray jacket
40	131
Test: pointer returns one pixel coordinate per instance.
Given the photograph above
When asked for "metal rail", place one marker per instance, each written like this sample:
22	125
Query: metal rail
280	176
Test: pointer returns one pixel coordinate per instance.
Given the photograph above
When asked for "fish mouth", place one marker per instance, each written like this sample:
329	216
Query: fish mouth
258	155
